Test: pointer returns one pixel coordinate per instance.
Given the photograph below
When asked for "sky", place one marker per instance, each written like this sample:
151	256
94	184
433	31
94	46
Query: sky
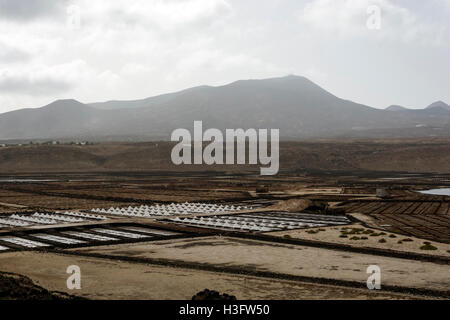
375	52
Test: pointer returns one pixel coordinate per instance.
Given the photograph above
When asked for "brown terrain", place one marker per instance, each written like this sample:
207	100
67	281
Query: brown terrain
413	155
404	232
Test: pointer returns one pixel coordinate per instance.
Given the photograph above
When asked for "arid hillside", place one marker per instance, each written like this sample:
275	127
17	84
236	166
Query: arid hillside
389	155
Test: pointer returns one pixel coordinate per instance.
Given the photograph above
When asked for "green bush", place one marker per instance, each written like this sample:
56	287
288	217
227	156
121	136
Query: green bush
428	246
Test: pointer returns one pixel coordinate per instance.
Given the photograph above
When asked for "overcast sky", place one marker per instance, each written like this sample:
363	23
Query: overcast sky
129	49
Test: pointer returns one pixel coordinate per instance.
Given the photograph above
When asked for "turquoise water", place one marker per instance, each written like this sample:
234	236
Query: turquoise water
439	192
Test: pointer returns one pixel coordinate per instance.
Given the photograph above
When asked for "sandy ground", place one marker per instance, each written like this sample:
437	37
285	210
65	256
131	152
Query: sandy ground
333	235
11	205
287	259
112	279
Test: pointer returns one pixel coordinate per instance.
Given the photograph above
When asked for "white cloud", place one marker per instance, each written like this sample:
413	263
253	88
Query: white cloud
161	14
348	18
12	54
119	48
134	49
42	79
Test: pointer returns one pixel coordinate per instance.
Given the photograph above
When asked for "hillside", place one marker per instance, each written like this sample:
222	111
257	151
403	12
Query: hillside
439	104
295	105
379	155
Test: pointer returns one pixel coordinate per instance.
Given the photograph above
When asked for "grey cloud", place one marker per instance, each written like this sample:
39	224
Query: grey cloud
30	9
28	85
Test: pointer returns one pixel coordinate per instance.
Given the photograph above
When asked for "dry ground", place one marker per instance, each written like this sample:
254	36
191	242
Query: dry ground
367	237
332	174
286	259
112	279
412	155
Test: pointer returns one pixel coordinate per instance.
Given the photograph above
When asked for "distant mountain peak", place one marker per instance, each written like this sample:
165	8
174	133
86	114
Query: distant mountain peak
290	77
274	79
439	104
395	107
293	76
64	102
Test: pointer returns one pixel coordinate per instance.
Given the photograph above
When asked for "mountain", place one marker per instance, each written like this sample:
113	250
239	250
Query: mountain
293	104
439	104
147	102
436	107
396	108
60	118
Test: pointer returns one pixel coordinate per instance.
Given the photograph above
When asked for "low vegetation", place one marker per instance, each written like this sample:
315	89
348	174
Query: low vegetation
427	246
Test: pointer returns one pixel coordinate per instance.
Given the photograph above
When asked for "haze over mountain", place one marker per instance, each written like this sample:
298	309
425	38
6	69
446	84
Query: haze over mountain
433	107
295	105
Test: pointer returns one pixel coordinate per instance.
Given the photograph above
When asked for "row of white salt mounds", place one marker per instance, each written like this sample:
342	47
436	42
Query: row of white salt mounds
33	219
171	209
83	215
13	223
23	220
57	217
246	224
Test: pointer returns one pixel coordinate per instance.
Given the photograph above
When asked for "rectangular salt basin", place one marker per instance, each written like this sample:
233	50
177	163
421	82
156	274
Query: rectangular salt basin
24	242
58	239
121	233
89	236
